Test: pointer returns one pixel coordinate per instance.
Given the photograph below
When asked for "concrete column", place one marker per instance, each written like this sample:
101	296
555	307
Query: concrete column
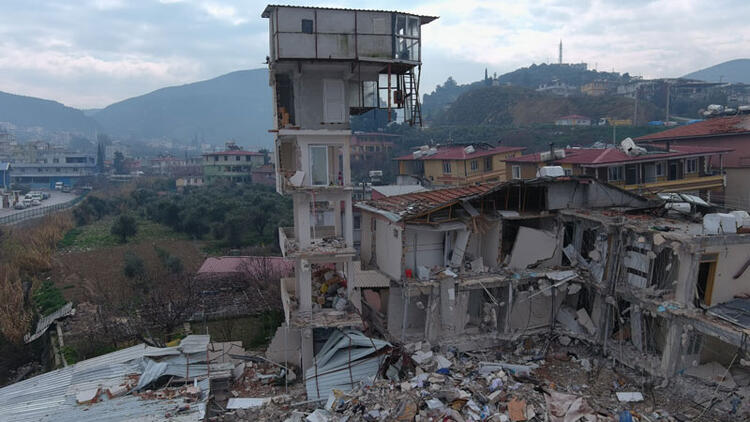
348	221
336	205
670	357
301	203
307	349
350	277
687	276
304	285
347	171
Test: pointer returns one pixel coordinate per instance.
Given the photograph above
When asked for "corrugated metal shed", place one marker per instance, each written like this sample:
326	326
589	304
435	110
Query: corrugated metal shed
44	323
347	358
52	396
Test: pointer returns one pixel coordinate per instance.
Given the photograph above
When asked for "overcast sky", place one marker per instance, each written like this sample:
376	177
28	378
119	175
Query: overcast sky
90	53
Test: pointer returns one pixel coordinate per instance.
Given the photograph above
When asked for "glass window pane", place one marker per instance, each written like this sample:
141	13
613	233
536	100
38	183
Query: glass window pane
319	165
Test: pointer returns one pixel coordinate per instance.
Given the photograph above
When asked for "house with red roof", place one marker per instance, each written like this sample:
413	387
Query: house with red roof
731	132
682	168
458	164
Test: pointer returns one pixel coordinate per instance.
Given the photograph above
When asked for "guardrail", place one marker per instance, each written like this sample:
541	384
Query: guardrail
36	212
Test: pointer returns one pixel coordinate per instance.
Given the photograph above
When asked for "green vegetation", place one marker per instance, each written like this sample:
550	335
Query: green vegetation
123	227
48	298
97	235
133	266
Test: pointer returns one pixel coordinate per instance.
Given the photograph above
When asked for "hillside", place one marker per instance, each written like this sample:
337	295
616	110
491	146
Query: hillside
512	106
232	106
735	71
528	77
30	112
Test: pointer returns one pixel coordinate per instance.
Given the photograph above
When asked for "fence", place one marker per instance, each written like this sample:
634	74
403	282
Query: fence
36	212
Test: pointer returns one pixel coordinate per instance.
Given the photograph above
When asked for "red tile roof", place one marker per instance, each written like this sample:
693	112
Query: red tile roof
456	152
603	156
235	152
237	264
711	127
412	204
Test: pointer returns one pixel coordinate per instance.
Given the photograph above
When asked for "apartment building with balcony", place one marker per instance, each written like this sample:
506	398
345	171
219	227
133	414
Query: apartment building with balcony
458	164
234	165
679	168
326	64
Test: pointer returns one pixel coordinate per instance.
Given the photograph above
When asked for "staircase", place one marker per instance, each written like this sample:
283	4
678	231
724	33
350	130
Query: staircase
411	88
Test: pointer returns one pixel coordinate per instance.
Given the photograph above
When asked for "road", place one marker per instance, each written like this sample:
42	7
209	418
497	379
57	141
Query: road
55	197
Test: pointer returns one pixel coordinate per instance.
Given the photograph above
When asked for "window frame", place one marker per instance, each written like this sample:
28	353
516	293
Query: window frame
488	163
474	165
694	161
447	168
619	175
515	172
659	169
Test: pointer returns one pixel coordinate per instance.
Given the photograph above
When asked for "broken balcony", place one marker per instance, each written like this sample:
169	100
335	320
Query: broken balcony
313	163
329	308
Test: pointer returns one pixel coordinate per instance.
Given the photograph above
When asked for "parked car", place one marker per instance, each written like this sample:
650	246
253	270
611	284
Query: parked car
20	205
58	185
36	202
66	188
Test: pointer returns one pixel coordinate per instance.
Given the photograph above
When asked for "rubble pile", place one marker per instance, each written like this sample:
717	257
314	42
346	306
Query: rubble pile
533	380
329	289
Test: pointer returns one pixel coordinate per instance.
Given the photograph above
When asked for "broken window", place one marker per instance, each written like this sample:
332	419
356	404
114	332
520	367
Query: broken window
706	274
664	270
406	33
284	100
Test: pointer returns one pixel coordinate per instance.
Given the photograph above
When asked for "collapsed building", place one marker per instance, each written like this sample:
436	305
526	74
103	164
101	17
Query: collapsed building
655	283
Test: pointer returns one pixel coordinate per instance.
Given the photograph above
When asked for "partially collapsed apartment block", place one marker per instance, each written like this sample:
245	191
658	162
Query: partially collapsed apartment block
660	284
325	65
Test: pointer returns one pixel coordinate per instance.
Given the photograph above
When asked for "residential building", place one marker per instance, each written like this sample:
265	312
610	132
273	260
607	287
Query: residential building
681	169
475	266
4	176
595	89
372	146
573	120
326	64
446	165
732	133
234	165
185	181
176	167
48	167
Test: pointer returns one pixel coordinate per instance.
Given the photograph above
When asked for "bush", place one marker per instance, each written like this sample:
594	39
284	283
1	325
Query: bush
48	298
124	226
133	266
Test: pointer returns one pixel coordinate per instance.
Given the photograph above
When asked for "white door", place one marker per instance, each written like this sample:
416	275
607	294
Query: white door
319	165
333	97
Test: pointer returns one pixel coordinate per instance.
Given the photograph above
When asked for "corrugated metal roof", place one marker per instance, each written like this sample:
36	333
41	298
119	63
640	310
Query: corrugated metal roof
44	323
347	358
52	396
423	18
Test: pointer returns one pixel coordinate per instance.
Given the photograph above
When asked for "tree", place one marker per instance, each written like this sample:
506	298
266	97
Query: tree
133	266
119	163
124	227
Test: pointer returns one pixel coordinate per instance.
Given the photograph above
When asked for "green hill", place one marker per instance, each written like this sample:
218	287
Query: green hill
513	106
30	112
232	106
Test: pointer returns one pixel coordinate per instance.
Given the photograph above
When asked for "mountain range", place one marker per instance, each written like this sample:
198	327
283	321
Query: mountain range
735	71
237	106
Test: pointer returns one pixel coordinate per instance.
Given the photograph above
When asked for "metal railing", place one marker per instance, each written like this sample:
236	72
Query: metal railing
37	212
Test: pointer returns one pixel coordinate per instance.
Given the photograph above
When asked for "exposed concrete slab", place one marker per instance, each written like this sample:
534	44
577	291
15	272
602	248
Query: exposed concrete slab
531	246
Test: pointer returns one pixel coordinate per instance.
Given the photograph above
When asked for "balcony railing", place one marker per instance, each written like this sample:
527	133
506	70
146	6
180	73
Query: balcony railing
680	185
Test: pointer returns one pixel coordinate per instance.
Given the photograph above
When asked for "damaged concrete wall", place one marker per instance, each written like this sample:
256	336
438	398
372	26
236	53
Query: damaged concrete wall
532	246
388	248
729	260
365	246
423	247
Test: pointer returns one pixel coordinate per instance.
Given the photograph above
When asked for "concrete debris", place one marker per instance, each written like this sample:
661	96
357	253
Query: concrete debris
629	396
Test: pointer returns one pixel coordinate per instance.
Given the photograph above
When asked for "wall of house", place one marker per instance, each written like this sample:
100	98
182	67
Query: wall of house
365	251
388	248
730	259
335	38
737	191
571	195
423	247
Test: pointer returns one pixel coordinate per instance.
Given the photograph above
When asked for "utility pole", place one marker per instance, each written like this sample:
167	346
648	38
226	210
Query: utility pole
667	103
